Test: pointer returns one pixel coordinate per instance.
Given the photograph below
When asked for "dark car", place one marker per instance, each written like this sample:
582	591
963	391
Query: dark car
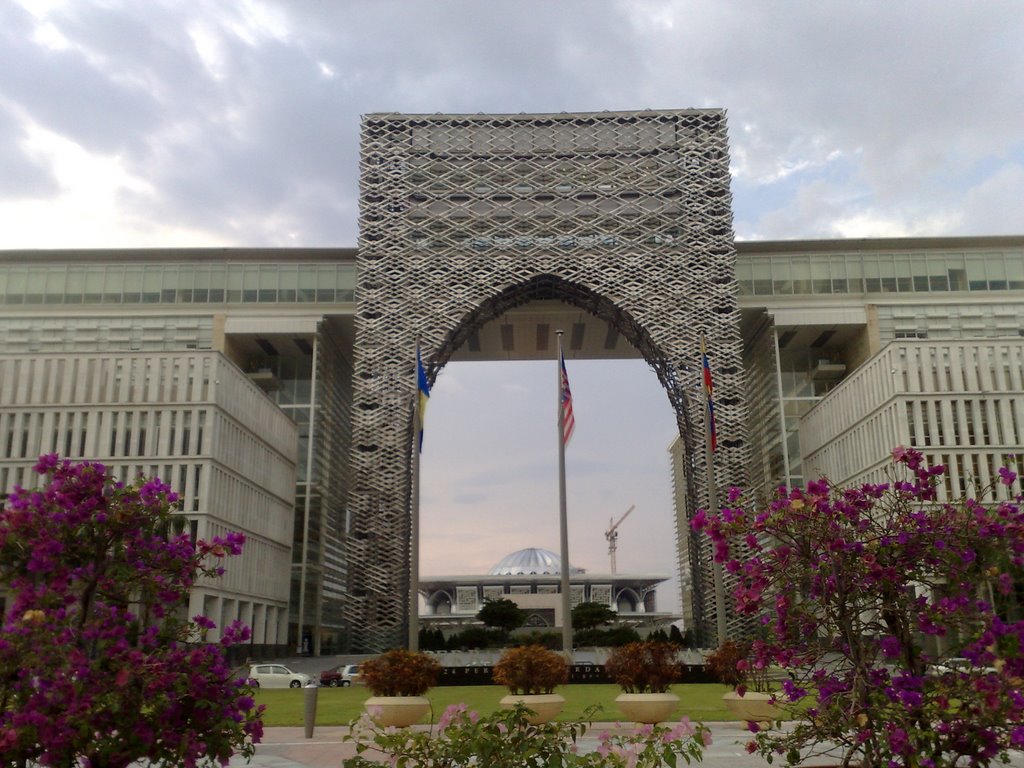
342	676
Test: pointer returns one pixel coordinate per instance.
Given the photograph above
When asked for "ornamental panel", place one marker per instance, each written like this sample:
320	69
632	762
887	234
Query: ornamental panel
465	217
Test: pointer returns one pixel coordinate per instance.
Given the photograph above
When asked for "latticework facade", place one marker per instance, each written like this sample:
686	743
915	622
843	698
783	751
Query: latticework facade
465	217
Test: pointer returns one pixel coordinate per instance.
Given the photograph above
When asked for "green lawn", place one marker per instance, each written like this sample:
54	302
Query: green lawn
338	706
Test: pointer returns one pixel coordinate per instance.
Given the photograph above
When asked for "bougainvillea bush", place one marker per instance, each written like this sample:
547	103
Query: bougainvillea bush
863	593
99	664
507	739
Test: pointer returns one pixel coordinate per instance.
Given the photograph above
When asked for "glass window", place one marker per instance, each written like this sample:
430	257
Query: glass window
920	274
782	278
288	281
903	281
976	280
74	285
854	274
268	283
201	283
938	278
218	281
94	285
801	274
887	272
54	289
235	277
152	281
995	266
1015	273
325	284
35	285
820	282
307	284
250	283
113	284
744	277
132	285
763	278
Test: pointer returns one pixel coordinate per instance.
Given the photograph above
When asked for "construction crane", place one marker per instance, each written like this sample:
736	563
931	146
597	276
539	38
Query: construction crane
612	533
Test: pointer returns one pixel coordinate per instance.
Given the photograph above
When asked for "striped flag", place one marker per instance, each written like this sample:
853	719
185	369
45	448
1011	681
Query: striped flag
709	393
424	393
568	422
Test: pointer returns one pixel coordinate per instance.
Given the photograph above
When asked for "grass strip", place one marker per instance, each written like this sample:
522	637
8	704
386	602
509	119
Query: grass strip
339	706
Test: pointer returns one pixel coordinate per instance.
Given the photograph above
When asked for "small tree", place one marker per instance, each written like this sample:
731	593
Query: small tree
502	614
858	589
592	615
676	636
97	663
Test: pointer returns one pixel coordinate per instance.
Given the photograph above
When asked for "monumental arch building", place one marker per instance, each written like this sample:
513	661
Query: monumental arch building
469	221
273	387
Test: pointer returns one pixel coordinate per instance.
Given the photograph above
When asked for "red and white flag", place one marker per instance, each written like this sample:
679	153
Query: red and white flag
568	422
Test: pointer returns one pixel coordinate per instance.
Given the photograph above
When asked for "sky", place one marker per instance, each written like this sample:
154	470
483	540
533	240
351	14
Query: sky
235	123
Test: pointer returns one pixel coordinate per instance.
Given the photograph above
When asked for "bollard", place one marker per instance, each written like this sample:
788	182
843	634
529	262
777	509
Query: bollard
309	694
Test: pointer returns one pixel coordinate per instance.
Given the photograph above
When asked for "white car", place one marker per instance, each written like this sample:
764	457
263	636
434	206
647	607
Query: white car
276	676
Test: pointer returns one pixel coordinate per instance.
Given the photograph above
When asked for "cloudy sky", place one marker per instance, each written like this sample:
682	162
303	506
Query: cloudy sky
236	124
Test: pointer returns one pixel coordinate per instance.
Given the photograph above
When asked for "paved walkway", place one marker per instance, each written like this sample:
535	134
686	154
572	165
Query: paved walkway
288	747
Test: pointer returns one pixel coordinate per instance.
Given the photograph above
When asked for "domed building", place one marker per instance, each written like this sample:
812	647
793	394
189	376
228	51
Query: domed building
531	578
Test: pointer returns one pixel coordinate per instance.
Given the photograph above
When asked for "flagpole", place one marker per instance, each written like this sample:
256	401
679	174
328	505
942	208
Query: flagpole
563	518
414	525
709	460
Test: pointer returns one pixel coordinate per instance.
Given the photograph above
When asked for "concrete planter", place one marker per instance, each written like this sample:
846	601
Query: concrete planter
647	707
398	711
546	706
753	707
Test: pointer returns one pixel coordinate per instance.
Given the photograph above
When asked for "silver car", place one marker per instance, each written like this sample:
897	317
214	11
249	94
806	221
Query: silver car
276	676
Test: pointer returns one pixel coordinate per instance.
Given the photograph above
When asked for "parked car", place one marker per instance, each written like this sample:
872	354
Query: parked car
276	676
343	675
957	664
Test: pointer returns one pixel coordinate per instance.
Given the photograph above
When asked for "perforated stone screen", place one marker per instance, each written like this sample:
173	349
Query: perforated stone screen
463	217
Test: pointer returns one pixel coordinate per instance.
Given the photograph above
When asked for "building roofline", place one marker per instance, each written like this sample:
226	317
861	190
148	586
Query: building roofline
492	116
94	255
753	247
350	253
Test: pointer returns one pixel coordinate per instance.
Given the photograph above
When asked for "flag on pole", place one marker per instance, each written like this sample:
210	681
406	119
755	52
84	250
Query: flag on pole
709	393
568	422
424	393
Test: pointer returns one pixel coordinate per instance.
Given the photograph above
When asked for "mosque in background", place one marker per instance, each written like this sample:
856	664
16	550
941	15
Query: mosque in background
531	579
254	381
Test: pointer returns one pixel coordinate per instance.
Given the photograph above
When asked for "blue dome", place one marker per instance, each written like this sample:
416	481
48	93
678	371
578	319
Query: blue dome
531	562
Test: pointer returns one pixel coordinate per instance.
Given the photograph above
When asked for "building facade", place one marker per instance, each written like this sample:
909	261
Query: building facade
191	418
480	236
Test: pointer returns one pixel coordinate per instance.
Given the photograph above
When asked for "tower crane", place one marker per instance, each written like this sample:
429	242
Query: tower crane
612	533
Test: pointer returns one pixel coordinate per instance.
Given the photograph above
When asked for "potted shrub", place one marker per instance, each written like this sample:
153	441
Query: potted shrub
531	673
751	698
398	679
645	670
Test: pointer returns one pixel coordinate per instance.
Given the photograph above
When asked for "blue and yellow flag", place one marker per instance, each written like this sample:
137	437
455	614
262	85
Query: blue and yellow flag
424	393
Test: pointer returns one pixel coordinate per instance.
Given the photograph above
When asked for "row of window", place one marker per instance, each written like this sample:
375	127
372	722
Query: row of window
789	274
230	283
993	421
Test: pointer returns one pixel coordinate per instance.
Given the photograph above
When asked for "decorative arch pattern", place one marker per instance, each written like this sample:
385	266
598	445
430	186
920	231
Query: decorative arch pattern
463	217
